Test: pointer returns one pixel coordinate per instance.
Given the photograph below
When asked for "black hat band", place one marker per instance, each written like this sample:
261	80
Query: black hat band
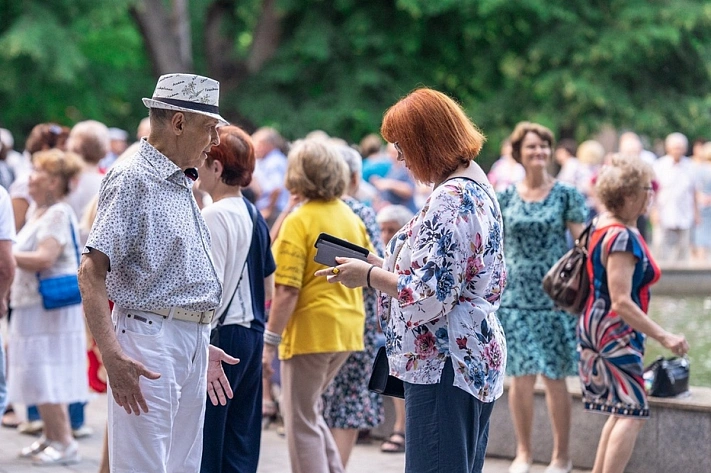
200	107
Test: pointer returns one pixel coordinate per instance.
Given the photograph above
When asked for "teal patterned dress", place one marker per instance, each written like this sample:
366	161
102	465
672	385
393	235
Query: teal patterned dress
540	339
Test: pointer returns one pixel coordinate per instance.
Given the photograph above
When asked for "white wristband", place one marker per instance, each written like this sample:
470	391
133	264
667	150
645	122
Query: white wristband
271	338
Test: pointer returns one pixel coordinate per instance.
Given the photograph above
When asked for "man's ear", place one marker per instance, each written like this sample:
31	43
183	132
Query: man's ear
178	122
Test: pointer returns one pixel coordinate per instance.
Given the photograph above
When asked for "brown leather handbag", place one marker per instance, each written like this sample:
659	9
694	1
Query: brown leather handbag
567	282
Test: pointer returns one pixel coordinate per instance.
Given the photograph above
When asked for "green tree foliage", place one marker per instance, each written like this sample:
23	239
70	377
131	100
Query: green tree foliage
574	65
70	60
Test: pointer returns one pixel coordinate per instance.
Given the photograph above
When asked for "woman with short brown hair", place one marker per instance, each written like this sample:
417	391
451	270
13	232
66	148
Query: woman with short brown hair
244	264
537	213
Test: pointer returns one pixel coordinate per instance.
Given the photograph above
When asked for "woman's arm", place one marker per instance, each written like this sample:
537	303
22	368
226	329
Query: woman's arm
269	287
402	189
41	259
19	209
620	269
283	305
7	273
575	229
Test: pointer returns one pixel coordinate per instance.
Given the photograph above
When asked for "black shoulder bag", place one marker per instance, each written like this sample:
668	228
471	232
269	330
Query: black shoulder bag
215	332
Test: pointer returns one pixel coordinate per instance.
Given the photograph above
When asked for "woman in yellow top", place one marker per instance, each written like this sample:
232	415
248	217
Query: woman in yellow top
315	324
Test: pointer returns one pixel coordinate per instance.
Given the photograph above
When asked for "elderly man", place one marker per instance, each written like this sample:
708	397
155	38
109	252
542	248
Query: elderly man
269	173
149	252
676	211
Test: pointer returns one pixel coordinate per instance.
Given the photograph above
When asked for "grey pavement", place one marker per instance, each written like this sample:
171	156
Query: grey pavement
273	458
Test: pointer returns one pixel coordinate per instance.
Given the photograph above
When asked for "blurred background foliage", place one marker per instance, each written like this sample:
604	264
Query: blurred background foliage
336	65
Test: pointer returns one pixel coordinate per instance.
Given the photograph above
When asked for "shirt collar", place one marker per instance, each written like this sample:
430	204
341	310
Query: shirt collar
164	167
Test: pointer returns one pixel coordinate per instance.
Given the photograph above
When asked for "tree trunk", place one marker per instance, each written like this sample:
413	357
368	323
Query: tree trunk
166	35
267	36
181	28
266	39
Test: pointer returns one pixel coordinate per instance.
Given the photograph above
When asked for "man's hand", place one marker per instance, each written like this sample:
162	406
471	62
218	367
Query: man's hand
218	386
124	375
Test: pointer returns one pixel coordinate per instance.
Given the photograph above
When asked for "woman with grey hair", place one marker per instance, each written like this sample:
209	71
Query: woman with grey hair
348	405
315	326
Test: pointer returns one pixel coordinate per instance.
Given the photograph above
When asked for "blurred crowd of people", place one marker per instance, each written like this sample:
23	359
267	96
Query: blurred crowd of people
327	336
679	218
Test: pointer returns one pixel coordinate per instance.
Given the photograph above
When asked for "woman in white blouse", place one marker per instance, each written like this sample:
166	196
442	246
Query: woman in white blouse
440	285
47	348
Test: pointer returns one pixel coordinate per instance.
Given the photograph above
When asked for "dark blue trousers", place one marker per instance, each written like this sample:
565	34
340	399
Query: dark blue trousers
233	432
446	429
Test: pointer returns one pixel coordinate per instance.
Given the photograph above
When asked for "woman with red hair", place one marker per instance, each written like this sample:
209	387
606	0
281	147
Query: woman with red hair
244	263
440	284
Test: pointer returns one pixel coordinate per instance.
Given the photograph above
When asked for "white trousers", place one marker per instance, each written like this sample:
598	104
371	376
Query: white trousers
168	438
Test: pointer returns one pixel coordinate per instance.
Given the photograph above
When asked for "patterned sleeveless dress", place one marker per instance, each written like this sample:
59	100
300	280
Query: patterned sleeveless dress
611	352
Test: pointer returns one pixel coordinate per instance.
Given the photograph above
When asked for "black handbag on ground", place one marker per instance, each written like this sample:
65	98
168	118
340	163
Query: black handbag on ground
380	380
215	332
567	282
667	377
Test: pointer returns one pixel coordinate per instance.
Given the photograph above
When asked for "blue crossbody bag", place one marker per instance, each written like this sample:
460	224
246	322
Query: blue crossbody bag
61	291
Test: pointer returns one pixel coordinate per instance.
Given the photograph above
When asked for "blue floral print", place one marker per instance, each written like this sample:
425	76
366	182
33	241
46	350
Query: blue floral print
451	274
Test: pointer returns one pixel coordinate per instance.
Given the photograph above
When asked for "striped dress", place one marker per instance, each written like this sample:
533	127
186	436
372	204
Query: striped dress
611	352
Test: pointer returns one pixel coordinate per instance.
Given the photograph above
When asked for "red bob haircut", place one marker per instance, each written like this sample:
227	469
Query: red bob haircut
236	153
434	134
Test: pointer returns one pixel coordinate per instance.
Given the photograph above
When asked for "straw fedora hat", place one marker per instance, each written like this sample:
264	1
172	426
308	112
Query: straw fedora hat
187	93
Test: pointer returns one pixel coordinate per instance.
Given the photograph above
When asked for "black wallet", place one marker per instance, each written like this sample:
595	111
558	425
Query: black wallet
328	247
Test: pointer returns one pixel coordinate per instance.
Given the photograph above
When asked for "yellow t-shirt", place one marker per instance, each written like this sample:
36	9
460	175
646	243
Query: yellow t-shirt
327	317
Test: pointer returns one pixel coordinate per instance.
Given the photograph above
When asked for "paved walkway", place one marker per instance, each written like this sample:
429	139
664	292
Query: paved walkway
274	458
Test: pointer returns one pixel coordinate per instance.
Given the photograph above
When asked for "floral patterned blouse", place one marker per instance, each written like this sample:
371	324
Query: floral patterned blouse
450	264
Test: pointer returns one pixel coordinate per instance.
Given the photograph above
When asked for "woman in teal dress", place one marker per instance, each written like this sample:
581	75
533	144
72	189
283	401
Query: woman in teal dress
541	339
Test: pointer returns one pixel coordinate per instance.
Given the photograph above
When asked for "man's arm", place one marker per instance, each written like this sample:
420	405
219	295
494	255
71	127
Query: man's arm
123	372
7	273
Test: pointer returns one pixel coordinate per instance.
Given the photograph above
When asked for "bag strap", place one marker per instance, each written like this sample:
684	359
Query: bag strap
390	306
584	238
252	213
74	241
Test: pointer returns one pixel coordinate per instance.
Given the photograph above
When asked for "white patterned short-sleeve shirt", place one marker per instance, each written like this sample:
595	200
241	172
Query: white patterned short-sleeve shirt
158	245
451	273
